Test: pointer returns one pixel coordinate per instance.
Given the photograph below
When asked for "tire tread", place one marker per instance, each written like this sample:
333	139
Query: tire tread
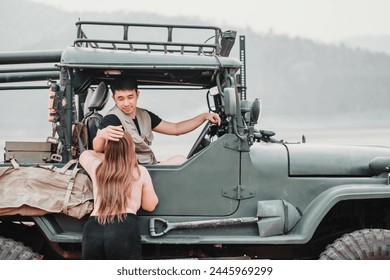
13	250
359	245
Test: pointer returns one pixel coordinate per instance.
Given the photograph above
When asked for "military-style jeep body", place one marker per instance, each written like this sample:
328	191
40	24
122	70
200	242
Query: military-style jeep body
241	193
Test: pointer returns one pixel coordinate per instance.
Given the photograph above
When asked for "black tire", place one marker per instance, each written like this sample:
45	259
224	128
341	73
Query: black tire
12	250
365	244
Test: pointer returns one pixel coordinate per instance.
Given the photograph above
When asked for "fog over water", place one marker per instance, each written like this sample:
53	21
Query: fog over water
165	146
29	123
38	129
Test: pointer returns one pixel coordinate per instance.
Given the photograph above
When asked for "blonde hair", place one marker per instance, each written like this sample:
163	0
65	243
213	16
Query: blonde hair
115	177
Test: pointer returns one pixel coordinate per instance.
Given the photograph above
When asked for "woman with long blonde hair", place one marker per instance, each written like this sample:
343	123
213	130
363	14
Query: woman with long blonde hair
120	188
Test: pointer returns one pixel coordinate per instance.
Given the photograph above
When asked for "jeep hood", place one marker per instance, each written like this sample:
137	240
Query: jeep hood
333	160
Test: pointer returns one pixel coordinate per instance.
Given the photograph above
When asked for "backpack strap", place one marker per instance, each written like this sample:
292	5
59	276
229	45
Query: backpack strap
67	166
4	170
71	182
15	166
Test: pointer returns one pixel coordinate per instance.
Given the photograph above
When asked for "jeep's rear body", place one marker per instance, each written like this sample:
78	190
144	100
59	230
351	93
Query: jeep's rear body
325	190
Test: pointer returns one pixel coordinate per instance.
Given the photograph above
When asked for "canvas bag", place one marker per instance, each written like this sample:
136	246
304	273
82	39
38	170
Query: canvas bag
38	190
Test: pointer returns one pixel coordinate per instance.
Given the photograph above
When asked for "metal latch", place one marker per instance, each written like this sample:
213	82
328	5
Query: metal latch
238	192
236	145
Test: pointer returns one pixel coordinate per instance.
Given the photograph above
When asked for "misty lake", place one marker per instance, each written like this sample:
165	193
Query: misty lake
166	146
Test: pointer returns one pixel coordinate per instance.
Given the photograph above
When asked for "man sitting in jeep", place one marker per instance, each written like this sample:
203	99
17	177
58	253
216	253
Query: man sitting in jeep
141	123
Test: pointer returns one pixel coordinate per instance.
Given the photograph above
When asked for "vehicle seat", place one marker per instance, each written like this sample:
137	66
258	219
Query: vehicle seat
94	102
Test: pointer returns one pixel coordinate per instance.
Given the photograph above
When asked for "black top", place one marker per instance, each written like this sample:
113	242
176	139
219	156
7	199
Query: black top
114	120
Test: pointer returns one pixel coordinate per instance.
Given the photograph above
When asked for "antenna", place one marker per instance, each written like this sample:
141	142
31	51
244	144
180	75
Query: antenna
243	68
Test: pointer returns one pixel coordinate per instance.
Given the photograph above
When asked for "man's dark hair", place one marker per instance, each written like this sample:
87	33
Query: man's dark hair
124	82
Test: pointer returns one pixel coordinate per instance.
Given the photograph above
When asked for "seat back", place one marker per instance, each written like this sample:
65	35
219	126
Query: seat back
95	102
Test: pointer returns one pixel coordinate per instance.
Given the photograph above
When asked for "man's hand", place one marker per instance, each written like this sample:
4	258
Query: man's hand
213	117
188	125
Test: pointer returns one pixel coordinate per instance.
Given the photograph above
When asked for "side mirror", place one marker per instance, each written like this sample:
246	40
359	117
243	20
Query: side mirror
251	111
230	101
255	110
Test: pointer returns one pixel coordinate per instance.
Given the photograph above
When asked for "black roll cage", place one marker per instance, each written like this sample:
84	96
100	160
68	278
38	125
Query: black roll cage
204	60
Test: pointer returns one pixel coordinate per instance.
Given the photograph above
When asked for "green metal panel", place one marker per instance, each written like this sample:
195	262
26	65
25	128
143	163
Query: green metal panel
196	187
332	160
265	169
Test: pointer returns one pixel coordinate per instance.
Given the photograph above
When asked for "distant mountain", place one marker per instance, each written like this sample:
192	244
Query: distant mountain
27	25
309	81
372	43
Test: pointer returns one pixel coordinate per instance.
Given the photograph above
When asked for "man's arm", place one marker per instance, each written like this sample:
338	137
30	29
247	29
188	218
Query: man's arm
186	126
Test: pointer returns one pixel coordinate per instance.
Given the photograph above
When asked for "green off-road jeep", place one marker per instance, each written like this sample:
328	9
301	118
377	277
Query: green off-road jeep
241	193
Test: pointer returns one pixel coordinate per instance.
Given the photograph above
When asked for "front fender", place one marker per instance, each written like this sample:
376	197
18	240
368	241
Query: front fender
323	203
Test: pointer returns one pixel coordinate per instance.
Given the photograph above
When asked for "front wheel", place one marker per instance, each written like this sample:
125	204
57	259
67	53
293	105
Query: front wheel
12	250
365	244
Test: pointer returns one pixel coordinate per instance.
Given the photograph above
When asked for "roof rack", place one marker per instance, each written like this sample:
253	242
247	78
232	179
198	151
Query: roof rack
125	38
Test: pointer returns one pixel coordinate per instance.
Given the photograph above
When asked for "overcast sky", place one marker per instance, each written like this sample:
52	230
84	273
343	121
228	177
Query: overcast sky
323	20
